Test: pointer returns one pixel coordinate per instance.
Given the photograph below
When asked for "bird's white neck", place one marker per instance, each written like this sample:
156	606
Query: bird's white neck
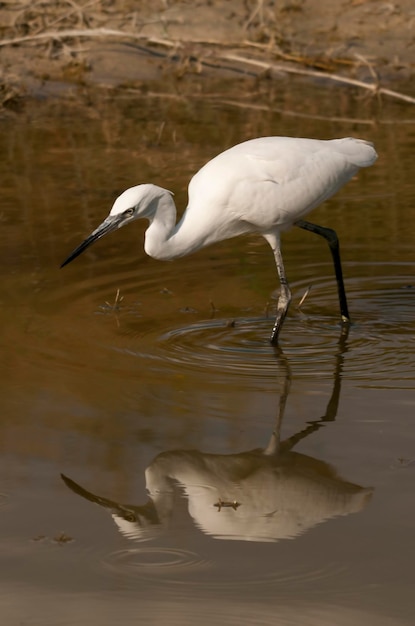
164	239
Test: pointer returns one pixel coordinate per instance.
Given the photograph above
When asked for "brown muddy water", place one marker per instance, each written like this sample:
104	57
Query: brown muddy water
192	495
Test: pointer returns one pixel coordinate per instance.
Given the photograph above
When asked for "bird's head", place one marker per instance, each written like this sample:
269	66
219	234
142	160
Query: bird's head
136	202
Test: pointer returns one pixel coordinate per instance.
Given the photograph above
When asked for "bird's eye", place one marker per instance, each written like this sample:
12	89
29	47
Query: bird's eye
129	212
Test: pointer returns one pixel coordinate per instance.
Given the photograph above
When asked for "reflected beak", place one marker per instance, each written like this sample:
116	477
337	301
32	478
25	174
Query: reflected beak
107	226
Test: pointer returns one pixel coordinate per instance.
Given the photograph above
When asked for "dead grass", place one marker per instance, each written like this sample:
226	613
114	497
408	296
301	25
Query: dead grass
255	37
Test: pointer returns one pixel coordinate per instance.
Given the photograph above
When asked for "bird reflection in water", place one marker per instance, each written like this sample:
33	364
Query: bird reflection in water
265	494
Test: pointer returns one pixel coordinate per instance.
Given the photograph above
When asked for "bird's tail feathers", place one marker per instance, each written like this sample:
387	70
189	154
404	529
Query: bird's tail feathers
358	151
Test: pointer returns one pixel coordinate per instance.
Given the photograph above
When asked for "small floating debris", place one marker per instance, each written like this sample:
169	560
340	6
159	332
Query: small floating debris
62	538
117	302
307	291
223	504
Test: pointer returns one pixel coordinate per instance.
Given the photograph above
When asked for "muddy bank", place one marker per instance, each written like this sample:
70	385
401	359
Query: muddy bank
48	47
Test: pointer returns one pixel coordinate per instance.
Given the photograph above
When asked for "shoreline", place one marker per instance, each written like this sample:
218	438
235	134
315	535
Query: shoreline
366	45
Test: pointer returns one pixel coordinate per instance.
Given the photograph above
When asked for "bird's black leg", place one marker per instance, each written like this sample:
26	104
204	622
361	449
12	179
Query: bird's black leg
330	236
285	293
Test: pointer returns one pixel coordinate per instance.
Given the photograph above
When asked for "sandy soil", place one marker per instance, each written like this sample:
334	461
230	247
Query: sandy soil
45	45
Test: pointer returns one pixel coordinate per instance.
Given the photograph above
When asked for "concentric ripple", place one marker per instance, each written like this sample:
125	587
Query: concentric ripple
379	349
181	566
162	335
234	345
155	562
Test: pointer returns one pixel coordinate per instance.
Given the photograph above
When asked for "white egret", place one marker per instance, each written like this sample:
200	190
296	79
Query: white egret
263	186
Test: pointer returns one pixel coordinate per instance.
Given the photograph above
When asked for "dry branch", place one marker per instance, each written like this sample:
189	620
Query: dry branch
246	62
352	82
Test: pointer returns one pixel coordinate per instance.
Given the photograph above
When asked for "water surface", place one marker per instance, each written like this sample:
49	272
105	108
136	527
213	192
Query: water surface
208	477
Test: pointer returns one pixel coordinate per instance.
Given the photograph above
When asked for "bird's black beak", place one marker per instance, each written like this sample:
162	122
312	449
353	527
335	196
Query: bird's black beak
108	225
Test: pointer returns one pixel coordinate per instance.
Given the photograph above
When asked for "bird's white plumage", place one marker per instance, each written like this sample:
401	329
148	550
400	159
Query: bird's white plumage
271	182
260	186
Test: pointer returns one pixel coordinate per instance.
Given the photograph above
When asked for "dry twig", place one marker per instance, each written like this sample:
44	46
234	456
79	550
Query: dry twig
237	59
